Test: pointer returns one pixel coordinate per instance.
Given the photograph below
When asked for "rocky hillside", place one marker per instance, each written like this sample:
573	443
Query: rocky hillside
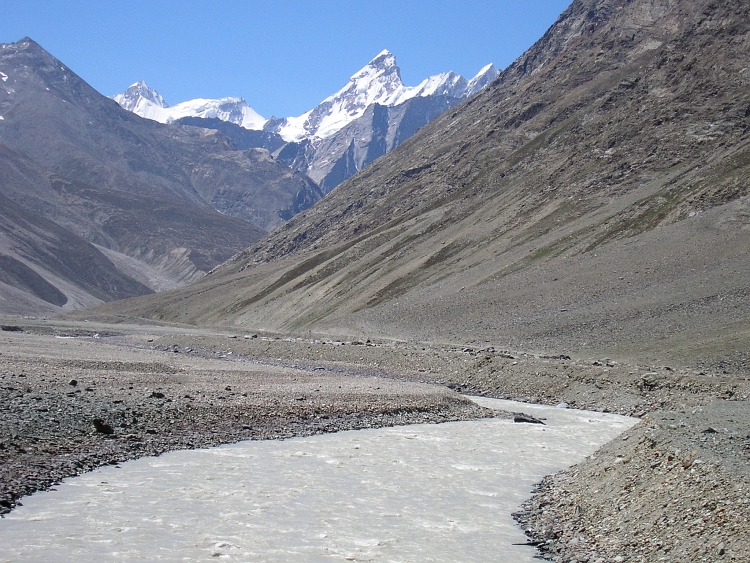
378	131
102	204
592	200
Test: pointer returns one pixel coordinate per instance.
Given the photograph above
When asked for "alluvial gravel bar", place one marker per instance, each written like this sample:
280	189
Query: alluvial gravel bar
69	404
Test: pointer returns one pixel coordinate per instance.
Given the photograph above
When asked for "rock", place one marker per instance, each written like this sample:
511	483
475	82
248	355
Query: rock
72	382
102	426
522	417
156	395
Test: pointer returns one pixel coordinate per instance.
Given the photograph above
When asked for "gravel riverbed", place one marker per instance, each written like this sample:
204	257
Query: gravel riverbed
69	404
676	487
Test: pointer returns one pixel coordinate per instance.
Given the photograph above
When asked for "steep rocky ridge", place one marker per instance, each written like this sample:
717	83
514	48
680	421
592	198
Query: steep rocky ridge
330	161
378	131
165	203
593	199
370	116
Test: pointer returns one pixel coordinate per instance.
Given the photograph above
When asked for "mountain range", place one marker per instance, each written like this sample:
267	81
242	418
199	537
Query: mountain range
592	200
100	204
372	114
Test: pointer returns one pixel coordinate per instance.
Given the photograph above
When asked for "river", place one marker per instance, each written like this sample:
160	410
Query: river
418	493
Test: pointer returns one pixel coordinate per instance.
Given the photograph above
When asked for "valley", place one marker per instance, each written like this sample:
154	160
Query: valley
576	233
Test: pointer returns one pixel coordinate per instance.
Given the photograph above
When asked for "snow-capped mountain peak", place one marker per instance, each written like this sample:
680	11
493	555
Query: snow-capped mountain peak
234	110
486	75
383	63
375	83
138	95
378	82
444	84
146	102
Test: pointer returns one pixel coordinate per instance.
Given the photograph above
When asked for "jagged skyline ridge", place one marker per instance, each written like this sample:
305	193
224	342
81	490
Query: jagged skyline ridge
282	57
378	82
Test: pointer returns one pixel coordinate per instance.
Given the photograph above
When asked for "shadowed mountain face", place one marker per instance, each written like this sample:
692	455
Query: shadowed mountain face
370	116
140	206
43	265
593	200
341	155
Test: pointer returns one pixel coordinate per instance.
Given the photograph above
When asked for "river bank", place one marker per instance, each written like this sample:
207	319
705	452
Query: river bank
71	402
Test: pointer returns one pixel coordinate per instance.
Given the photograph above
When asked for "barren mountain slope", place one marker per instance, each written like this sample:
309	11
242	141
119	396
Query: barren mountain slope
164	203
43	265
594	199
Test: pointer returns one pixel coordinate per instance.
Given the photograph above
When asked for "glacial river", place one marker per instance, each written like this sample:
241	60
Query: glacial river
409	494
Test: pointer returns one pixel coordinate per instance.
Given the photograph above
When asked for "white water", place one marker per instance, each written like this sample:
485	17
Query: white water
416	493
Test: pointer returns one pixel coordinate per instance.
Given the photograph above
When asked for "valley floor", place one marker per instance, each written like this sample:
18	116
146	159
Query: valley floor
676	487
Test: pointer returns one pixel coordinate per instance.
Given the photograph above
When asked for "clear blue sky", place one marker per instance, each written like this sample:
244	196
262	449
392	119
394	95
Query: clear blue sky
282	56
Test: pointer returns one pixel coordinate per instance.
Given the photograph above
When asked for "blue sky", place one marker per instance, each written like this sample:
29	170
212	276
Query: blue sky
282	56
